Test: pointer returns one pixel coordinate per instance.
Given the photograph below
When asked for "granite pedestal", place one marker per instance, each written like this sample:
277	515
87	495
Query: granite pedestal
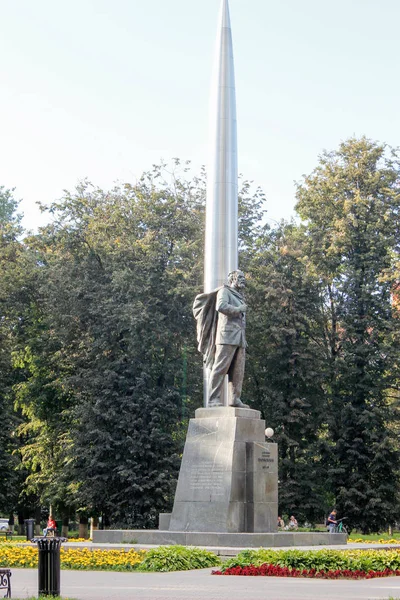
228	481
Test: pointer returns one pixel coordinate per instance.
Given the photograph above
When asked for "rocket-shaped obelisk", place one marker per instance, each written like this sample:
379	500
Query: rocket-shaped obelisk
221	234
221	242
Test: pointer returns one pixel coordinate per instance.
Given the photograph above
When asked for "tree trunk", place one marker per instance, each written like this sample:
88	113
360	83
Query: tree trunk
38	515
64	529
21	524
11	522
83	528
106	521
94	525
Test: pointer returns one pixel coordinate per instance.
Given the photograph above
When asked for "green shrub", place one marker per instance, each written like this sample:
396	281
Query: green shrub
178	558
363	560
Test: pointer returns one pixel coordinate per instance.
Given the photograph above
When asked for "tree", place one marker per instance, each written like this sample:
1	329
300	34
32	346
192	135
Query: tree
14	293
118	274
286	365
351	207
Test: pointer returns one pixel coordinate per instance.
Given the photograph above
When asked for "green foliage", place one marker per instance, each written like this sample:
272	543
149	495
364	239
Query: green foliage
118	274
99	370
326	560
9	218
286	365
351	203
178	558
15	292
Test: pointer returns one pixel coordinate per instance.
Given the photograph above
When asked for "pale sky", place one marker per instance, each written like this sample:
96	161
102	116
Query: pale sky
105	88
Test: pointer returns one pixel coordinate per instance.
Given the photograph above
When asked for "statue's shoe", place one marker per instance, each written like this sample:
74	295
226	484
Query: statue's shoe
239	404
215	405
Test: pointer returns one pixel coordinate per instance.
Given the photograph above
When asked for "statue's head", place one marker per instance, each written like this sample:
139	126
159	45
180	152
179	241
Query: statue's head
236	279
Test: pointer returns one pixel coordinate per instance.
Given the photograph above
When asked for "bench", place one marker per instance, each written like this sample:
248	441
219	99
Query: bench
5	581
7	534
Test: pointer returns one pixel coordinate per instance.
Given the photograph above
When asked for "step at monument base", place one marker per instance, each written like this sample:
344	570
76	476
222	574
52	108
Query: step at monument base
229	540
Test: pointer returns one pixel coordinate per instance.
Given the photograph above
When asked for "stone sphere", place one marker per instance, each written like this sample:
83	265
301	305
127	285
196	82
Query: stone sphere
269	432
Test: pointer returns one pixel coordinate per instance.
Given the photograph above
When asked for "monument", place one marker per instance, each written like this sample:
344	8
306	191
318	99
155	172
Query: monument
221	325
227	491
228	480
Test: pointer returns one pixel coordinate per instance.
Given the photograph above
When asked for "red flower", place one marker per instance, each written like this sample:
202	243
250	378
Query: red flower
267	570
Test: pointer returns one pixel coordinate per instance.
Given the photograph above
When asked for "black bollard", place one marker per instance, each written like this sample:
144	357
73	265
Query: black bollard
49	565
29	526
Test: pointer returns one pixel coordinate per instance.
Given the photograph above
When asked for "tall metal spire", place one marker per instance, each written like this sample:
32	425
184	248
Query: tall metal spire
221	243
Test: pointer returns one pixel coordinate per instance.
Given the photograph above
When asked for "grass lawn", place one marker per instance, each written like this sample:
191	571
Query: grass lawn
45	598
375	536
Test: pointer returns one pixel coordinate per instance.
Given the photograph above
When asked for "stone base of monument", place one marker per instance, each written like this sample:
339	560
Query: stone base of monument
228	481
227	492
217	540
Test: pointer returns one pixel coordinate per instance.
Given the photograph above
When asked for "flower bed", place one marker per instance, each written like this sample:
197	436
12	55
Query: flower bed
100	560
276	571
79	558
380	541
18	556
5	542
324	564
171	558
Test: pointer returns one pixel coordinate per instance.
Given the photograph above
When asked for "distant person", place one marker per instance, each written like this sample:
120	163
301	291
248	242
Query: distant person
51	525
293	524
331	521
281	523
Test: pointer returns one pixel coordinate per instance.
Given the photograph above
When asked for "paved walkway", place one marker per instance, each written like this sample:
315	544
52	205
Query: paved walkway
224	551
227	551
201	585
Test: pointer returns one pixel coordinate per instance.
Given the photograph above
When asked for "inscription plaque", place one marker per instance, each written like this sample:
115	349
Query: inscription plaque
208	476
265	460
262	486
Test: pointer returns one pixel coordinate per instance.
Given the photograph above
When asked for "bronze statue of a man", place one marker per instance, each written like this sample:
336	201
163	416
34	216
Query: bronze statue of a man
221	323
